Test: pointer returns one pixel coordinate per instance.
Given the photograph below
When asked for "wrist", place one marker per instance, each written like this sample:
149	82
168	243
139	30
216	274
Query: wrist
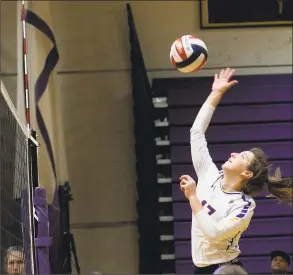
192	197
217	92
195	204
214	98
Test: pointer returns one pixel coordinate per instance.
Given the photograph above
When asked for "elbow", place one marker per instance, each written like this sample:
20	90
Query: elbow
196	133
195	129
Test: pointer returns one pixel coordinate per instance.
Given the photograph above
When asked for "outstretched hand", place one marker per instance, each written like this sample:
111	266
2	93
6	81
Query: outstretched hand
222	81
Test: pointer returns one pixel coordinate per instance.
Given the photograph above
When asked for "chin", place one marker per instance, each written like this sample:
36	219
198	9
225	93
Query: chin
225	165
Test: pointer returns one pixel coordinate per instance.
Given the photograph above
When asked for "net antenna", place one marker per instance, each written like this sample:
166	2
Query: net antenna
32	137
25	67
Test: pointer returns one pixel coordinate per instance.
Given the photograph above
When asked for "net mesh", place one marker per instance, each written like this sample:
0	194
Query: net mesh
16	205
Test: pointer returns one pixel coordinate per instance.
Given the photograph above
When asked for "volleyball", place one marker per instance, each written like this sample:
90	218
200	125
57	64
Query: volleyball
188	54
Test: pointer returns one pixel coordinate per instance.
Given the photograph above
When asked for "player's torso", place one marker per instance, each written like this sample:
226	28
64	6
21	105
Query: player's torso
218	205
215	200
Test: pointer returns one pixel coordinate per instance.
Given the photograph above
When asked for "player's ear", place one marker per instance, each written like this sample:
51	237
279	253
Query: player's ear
246	175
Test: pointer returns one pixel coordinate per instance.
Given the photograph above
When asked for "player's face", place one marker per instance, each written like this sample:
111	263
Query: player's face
238	163
15	263
279	265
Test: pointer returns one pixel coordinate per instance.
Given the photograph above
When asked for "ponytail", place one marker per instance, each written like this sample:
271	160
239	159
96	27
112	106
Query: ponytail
280	188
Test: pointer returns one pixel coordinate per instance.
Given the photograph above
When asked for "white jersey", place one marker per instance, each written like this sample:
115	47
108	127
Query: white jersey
217	228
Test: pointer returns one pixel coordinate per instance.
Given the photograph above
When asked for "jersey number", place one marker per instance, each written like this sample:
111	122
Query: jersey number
211	209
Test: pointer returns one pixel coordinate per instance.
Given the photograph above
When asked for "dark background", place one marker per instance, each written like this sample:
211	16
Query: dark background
240	11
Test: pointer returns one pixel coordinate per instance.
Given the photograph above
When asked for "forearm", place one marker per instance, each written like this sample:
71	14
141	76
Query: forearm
206	112
202	119
204	221
195	204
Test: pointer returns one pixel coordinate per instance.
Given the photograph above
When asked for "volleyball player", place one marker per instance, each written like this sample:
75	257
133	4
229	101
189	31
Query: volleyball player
222	203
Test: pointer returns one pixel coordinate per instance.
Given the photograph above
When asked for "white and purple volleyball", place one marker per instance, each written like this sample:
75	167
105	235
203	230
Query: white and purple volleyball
188	54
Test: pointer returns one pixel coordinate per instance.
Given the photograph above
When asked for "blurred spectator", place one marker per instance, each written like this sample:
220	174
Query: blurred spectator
14	260
230	269
280	262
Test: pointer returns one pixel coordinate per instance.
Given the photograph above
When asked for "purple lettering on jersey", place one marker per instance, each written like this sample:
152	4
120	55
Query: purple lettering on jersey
212	210
203	203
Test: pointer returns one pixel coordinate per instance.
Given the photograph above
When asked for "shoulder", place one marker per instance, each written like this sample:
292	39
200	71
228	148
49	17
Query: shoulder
211	177
248	200
244	204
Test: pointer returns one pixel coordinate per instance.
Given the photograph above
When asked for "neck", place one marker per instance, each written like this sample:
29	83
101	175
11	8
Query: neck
231	183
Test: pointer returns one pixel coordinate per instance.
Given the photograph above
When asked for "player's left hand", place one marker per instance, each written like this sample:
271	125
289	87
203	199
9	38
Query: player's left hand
188	186
222	81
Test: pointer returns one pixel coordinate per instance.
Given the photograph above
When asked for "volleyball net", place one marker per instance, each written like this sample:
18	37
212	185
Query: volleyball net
17	217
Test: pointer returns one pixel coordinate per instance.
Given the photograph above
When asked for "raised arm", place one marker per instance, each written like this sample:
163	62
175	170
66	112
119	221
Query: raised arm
200	155
201	158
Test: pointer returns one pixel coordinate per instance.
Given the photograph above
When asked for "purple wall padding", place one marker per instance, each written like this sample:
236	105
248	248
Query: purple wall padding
236	114
56	255
43	240
182	228
252	89
238	133
254	245
221	152
256	113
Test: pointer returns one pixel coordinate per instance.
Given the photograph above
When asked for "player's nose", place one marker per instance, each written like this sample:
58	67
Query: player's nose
233	155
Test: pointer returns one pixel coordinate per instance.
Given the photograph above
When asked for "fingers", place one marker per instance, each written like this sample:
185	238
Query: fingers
183	185
186	182
183	182
227	73
232	83
222	74
216	76
186	177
